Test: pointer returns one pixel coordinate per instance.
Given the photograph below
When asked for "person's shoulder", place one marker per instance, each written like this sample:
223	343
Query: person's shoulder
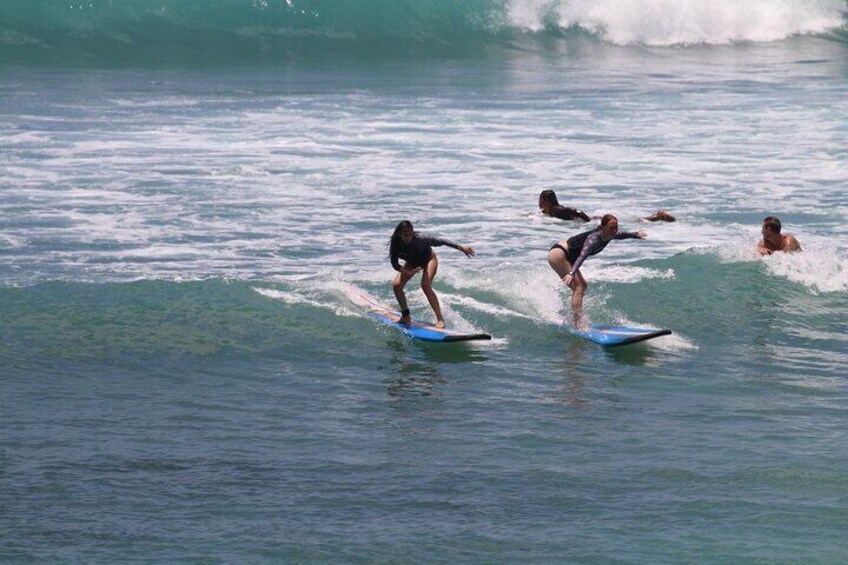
792	243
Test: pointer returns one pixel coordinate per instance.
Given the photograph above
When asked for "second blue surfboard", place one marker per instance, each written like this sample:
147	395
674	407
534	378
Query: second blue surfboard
611	336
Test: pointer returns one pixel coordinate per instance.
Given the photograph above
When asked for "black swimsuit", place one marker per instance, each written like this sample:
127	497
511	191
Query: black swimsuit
417	252
565	213
580	246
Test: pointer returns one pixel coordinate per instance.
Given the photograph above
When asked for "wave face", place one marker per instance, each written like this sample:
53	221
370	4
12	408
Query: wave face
275	29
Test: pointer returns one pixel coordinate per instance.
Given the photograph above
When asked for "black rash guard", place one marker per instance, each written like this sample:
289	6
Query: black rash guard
565	213
417	252
588	243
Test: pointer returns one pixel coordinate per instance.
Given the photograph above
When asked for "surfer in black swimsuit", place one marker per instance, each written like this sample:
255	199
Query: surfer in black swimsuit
566	257
417	252
549	205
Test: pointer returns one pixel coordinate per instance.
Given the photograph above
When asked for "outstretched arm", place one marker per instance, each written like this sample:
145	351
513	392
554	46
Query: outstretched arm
630	235
436	242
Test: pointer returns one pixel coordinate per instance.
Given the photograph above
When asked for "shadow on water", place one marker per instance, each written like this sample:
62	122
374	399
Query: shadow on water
414	366
459	352
573	383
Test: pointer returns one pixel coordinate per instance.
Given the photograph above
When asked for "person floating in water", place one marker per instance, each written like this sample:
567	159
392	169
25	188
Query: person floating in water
567	256
773	240
660	216
417	252
549	205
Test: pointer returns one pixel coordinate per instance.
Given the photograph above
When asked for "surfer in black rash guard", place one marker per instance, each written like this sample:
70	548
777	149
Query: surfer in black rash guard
417	252
549	205
566	257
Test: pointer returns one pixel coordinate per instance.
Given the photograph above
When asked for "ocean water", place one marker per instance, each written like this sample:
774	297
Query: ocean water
194	196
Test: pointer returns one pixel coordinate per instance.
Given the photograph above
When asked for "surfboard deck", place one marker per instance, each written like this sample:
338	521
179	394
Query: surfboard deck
611	336
423	330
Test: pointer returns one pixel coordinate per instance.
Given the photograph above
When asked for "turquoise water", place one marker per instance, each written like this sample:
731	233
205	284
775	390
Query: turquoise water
188	220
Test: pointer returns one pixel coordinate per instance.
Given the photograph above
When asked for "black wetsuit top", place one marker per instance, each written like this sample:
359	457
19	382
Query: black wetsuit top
588	243
417	252
564	213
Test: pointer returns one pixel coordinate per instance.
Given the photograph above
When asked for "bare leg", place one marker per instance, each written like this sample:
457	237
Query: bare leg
398	283
578	287
559	263
427	277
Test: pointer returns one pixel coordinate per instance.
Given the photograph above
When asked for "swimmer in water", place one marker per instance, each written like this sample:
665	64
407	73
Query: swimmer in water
417	252
549	205
660	216
773	240
567	256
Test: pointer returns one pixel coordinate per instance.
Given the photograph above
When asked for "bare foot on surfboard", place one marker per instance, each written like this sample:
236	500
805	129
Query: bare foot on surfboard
440	324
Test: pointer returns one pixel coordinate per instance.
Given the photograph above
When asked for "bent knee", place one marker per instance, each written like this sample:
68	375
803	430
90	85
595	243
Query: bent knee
578	285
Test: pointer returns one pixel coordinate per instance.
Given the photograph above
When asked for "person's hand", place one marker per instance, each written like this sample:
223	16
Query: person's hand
469	251
641	235
567	279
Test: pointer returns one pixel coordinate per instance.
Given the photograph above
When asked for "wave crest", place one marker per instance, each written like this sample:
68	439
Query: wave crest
682	22
276	28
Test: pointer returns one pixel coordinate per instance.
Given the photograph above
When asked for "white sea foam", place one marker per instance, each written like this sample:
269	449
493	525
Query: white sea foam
300	297
299	183
10	242
821	269
676	22
630	274
487	308
531	291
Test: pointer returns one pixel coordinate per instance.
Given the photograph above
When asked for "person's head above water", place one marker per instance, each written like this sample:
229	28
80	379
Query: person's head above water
772	224
609	225
547	200
403	232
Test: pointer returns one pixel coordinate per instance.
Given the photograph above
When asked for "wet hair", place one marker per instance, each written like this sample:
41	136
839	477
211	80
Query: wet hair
607	219
772	223
403	225
549	196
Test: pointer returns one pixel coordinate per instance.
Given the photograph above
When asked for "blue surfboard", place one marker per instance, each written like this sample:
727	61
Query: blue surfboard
423	330
611	336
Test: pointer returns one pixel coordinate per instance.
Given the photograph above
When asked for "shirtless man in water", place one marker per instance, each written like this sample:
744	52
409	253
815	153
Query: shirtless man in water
773	240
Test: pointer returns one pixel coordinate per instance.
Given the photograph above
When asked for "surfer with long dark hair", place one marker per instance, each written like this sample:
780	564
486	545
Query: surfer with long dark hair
416	250
549	205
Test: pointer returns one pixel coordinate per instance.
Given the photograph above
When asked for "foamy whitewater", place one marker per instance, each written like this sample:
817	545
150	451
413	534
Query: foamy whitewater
196	202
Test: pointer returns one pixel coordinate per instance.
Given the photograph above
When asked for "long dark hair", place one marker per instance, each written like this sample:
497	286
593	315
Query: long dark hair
549	196
394	241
